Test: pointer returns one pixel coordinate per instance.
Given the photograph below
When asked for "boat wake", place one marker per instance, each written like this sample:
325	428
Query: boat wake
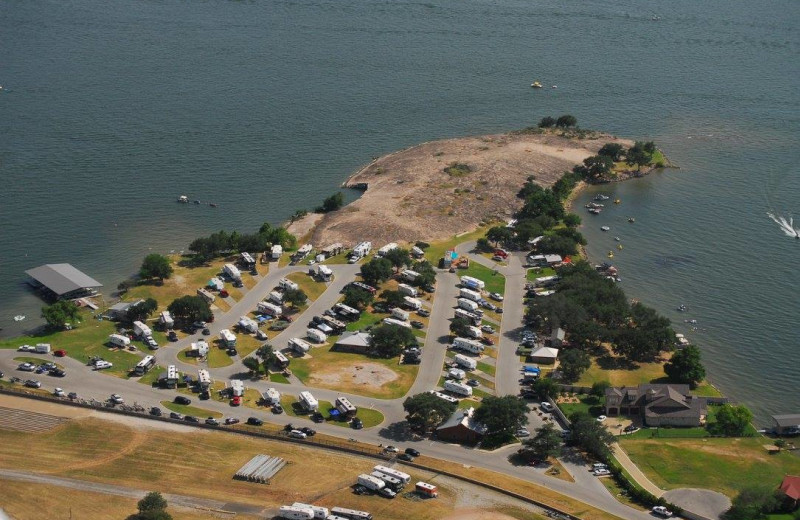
786	226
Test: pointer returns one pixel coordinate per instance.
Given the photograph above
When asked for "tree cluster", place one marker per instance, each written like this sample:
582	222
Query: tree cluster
502	415
190	309
590	435
546	443
357	297
331	203
61	313
426	411
152	507
295	297
565	121
427	274
732	421
756	502
376	271
393	298
142	310
686	367
389	341
155	265
222	242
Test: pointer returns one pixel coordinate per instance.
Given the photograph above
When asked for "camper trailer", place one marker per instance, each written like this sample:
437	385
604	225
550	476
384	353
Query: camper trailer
247	260
237	387
469	316
119	340
416	252
337	326
456	373
320	513
300	346
405	478
308	401
474	332
324	273
228	338
203	379
445	397
395	321
346	311
458	388
411	303
296	513
165	318
170	378
232	272
287	284
385	249
141	330
207	296
276	297
370	482
247	325
409	275
400	314
472	283
271	396
281	360
466	362
199	349
345	407
361	250
407	290
467	305
425	489
276	251
468	345
269	308
469	294
316	335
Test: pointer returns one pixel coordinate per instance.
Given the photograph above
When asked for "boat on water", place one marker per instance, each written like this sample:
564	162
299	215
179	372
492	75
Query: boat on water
554	86
619	246
605	228
594	211
682	307
617	201
536	84
593	205
212	204
611	254
631	220
600	196
19	317
616	238
183	199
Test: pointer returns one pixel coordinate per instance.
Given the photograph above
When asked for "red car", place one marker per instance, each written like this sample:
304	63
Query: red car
236	401
60	353
487	341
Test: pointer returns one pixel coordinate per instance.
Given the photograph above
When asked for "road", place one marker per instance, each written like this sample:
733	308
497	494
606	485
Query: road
587	488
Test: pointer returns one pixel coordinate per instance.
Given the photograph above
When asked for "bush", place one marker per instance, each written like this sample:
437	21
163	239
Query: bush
547	122
458	170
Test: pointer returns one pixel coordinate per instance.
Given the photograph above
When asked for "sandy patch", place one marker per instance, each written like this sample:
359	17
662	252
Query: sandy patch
58	410
302	227
146	424
477	514
361	374
411	197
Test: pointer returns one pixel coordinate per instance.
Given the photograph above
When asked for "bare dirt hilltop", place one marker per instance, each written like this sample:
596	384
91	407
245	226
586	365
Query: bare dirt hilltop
438	189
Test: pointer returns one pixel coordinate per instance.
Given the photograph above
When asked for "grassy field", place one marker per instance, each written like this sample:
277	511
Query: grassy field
325	361
278	378
436	251
187	409
495	282
706	389
588	404
185	280
168	461
722	464
218	357
539	272
638	374
311	287
486	368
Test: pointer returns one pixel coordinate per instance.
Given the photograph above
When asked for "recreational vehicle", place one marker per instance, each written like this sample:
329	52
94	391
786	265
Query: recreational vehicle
207	296
165	318
400	314
203	379
385	249
118	340
247	325
308	401
394	321
445	397
411	303
474	332
228	338
469	294
281	360
144	366
271	396
276	251
237	387
276	297
296	513
469	316
466	362
345	407
468	345
458	388
467	305
299	345
324	273
287	284
351	514
199	349
320	513
247	260
405	478
472	283
141	330
316	335
269	308
409	275
232	272
407	290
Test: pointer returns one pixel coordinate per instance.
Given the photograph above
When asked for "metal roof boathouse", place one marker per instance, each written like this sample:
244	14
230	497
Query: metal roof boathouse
62	281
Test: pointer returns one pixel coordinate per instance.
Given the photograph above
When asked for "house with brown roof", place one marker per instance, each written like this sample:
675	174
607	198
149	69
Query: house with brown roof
791	488
657	405
461	428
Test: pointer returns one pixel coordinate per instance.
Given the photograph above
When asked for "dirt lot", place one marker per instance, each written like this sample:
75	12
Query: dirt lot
363	374
411	197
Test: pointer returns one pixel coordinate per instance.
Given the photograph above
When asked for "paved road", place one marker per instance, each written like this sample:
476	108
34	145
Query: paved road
133	493
96	385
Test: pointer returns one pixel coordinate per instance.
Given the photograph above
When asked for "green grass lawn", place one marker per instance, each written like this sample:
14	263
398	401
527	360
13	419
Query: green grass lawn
312	288
722	464
495	282
539	272
588	404
151	377
705	389
218	357
200	413
83	342
436	251
366	319
278	378
182	355
486	368
368	416
641	373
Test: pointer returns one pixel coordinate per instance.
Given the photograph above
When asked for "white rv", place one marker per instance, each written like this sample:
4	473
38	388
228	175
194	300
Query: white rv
271	396
42	348
385	249
287	284
203	378
407	290
248	325
247	259
467	305
199	349
228	338
370	482
269	308
472	283
232	271
276	297
324	272
456	373
299	345
316	335
458	388
281	360
469	316
409	275
237	387
320	513
469	294
394	321
412	303
118	340
445	397
276	251
207	296
466	362
140	329
166	320
296	513
345	407
400	314
474	332
405	478
308	401
468	345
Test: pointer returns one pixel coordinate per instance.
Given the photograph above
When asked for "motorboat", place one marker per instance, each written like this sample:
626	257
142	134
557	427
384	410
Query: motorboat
183	199
197	202
617	201
616	238
605	228
594	211
554	86
631	220
682	307
619	246
600	196
19	317
212	204
536	84
611	254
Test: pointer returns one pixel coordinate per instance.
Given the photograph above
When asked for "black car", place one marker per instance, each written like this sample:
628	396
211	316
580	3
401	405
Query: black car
406	457
56	372
1	375
417	324
412	452
233	352
182	400
308	431
429	288
204	395
206	332
175	415
289	427
424	313
254	421
317	417
411	360
72	395
156	411
277	409
357	424
191	418
172	335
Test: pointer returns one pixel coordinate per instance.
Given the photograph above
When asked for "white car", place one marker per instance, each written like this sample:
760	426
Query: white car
391	449
601	472
547	407
116	399
661	511
297	434
488	329
58	392
26	367
496	296
599	465
27	348
522	432
602	418
100	365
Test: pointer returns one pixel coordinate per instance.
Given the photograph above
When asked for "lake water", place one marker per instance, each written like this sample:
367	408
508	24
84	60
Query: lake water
111	109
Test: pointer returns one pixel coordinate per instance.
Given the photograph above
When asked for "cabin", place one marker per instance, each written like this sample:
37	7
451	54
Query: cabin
657	405
461	428
358	342
543	355
119	311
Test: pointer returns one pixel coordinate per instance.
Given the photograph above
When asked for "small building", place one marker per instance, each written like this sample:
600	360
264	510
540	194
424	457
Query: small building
461	428
543	355
62	281
786	424
658	404
450	256
354	342
791	488
557	338
119	311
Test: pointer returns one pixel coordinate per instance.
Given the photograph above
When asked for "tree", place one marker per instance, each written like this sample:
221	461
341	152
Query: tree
546	443
154	515
502	415
357	297
61	313
425	411
732	421
573	363
547	122
142	310
598	165
483	246
566	121
591	435
191	309
427	274
376	271
544	388
685	367
499	234
267	355
571	220
754	503
637	155
393	298
599	388
153	501
332	203
612	150
295	297
459	327
389	340
251	364
398	257
155	266
558	245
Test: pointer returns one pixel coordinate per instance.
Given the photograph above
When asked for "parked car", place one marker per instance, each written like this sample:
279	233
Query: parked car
417	324
231	420
523	432
236	401
424	313
601	418
233	352
406	457
488	329
601	472
212	422
151	343
156	411
26	367
661	511
486	340
191	419
429	288
496	296
547	407
391	449
254	421
175	415
72	395
599	465
474	382
308	431
630	429
277	409
317	417
297	434
357	424
60	353
181	399
58	392
412	452
498	310
116	399
206	331
386	492
172	335
57	372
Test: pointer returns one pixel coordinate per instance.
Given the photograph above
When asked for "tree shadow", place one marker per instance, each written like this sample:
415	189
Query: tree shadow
400	432
616	363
